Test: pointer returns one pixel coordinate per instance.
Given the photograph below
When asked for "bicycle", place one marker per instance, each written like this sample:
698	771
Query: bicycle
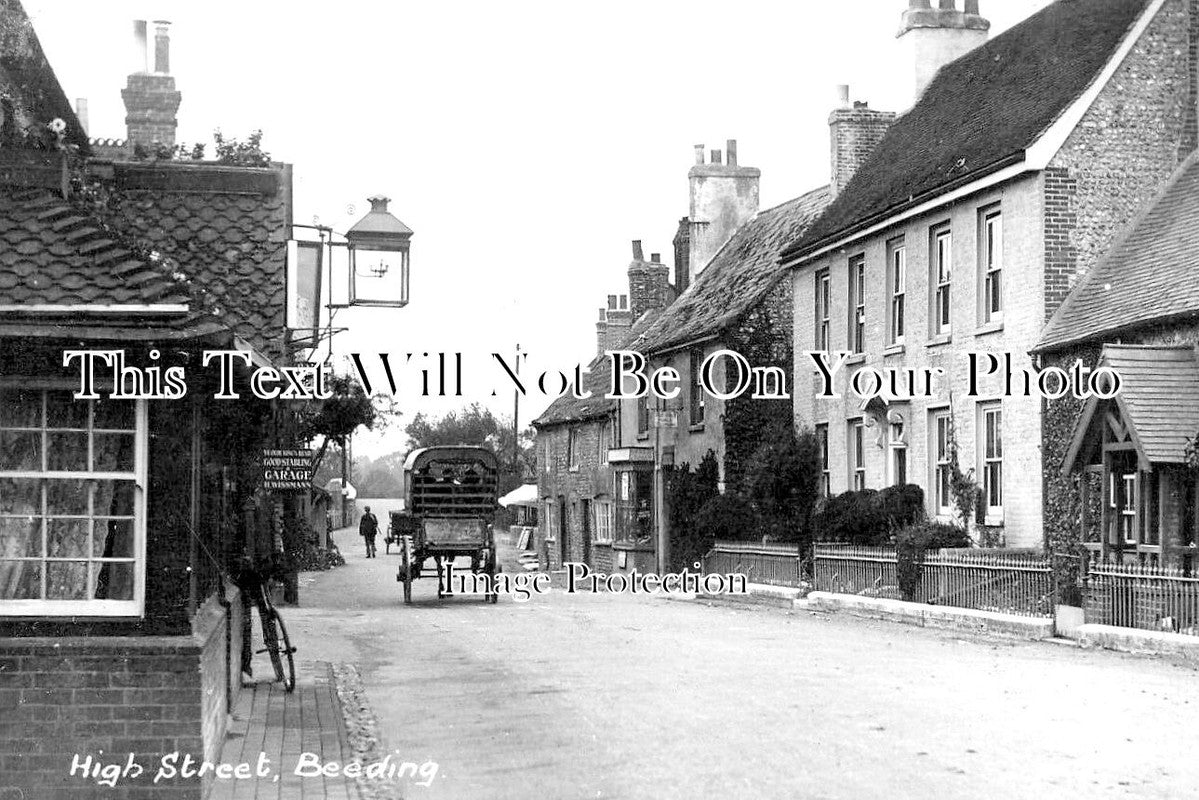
274	632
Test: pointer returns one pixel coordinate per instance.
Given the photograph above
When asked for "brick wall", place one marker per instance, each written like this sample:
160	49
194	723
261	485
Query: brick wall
151	105
649	287
589	480
149	696
1128	143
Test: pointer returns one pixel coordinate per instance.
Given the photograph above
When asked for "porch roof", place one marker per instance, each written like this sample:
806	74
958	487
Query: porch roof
1158	400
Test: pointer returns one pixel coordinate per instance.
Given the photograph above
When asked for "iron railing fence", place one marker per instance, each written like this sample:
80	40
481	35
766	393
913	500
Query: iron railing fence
1019	585
760	562
1142	596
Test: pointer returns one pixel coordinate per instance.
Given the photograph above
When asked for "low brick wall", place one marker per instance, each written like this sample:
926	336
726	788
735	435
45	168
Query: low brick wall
64	700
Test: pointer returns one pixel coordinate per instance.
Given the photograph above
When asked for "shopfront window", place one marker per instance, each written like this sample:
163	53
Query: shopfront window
634	507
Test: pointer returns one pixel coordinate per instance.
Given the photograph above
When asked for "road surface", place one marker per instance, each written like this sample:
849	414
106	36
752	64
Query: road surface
613	696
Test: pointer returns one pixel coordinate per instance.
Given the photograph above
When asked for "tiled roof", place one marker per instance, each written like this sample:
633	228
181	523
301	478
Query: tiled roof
738	275
51	254
979	113
1151	274
1159	397
233	243
569	408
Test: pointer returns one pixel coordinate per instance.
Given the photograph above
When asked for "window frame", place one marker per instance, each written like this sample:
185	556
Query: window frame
897	450
139	475
823	312
822	448
940	280
990	264
856	332
573	447
604	510
897	281
939	461
855	453
990	459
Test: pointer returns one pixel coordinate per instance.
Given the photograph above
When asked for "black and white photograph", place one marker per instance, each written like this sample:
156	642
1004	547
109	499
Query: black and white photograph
630	401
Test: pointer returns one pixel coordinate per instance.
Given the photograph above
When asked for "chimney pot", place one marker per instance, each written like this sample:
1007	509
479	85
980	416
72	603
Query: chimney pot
699	154
603	315
917	4
731	150
638	255
141	58
843	95
624	302
655	258
947	5
716	157
611	302
972	7
162	47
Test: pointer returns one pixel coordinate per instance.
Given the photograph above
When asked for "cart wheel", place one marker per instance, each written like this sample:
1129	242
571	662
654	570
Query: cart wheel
406	569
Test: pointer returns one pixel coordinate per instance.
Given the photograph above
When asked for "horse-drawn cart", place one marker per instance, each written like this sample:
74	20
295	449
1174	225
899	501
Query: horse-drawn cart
450	498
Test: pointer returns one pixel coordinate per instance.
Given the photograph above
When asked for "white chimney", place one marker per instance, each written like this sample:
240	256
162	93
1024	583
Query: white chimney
934	37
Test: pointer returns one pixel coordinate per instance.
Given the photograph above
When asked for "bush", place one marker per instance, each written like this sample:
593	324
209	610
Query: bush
781	480
687	491
912	541
868	517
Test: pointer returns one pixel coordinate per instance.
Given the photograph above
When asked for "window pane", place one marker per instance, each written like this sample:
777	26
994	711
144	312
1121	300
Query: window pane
63	411
20	580
113	580
67	538
21	537
113	538
114	415
66	580
21	451
20	408
114	498
66	451
112	452
21	496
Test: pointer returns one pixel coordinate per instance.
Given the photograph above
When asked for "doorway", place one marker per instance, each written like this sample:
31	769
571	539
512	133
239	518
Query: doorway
585	529
564	533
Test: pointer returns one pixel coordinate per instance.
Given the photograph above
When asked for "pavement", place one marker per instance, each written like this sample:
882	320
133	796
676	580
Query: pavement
615	696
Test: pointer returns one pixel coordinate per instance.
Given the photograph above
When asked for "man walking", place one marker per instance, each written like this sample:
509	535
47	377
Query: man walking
368	529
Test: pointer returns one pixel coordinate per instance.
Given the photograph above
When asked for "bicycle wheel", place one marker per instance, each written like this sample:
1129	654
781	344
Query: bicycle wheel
270	638
289	680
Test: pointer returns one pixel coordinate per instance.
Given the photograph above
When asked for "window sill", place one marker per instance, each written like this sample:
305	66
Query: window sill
697	427
988	328
641	437
993	521
894	350
631	547
939	340
856	358
572	469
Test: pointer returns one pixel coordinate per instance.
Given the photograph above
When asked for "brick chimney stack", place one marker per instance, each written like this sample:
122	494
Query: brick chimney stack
151	100
614	324
933	37
854	131
723	198
649	283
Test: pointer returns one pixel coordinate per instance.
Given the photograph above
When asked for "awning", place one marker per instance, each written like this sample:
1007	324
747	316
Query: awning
525	495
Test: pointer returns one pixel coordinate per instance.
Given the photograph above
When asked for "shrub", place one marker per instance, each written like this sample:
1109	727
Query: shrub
687	491
781	480
912	541
868	517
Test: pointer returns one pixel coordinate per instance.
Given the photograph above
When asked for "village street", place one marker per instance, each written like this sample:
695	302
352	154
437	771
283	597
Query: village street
603	696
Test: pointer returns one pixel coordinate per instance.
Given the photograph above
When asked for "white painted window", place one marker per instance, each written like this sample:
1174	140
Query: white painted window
72	504
897	279
823	301
942	270
941	429
605	521
992	264
822	444
574	447
991	466
857	304
857	454
897	447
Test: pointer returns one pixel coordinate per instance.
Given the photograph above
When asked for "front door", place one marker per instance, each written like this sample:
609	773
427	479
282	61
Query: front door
585	529
564	532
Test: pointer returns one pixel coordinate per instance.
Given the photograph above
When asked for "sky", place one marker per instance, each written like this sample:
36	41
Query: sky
525	142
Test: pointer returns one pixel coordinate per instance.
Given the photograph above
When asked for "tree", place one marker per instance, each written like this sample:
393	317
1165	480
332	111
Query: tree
475	425
335	419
